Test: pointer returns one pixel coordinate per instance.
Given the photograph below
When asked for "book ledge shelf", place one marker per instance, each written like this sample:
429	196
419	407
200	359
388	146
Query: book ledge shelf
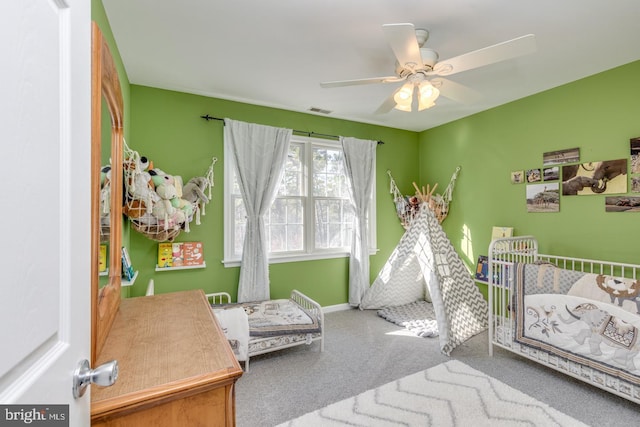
124	282
183	267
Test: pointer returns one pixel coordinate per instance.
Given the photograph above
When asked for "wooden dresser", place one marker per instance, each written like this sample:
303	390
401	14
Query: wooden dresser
176	367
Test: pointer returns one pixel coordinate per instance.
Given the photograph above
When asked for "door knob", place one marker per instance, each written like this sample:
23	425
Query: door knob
104	375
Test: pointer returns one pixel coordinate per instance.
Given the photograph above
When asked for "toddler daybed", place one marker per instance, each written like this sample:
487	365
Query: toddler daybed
261	327
577	316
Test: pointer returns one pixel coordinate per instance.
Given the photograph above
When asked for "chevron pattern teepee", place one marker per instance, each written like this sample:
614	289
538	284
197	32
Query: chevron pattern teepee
425	265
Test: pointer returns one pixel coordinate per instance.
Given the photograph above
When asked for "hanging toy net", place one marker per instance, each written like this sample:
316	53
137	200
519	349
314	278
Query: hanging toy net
407	207
157	204
105	203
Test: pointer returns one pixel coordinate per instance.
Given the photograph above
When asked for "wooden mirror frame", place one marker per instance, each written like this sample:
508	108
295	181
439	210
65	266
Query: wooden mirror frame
105	84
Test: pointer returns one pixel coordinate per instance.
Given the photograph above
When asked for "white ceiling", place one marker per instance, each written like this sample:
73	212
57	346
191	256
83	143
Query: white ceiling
276	52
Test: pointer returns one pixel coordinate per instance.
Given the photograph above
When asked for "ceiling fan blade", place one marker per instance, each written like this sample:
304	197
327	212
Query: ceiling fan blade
340	83
403	42
489	55
456	91
387	105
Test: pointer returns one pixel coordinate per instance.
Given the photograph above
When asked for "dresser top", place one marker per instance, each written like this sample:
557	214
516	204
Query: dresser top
165	344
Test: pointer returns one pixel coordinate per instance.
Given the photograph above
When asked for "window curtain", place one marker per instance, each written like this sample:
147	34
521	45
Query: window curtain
359	163
259	153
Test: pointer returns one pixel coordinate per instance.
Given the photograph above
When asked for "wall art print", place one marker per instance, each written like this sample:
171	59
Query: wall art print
622	204
543	197
634	145
571	155
551	174
517	177
604	177
534	175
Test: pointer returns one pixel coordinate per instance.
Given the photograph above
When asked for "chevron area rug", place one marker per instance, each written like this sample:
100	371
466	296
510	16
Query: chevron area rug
450	394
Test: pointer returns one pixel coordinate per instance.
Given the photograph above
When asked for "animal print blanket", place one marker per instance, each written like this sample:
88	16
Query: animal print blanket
591	319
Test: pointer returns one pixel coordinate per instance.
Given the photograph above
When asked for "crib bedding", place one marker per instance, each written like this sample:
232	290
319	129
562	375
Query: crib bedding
273	318
588	318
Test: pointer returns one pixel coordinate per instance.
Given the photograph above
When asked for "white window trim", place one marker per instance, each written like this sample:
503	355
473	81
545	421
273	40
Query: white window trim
230	261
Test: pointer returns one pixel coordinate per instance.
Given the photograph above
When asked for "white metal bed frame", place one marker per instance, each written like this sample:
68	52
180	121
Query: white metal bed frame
262	345
505	252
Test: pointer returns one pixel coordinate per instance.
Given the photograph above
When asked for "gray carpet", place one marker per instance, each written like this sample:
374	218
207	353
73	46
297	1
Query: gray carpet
364	351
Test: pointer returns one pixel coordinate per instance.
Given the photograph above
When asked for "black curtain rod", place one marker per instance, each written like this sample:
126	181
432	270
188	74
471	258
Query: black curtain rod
304	132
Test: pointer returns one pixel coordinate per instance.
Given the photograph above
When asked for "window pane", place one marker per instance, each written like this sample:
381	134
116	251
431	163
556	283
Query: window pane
334	223
319	184
292	182
278	212
286	225
328	174
278	241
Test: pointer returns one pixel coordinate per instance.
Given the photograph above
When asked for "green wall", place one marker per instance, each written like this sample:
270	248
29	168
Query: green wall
167	128
598	114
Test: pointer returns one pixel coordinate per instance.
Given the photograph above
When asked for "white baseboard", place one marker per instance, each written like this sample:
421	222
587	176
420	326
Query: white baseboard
337	307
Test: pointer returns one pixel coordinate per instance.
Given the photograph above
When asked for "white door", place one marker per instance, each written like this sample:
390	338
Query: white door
45	91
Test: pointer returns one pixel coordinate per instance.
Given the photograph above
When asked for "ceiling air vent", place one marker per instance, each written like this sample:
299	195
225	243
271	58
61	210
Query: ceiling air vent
319	110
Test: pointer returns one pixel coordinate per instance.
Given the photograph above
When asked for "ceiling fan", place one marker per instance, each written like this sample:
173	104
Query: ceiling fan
420	69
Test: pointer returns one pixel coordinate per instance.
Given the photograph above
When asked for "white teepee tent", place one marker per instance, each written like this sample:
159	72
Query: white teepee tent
425	265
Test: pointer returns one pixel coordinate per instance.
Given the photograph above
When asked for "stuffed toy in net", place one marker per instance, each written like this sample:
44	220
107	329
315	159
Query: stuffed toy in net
157	204
407	207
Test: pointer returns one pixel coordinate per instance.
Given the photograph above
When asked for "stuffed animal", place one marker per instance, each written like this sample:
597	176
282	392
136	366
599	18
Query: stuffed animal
170	200
193	191
140	194
159	177
162	209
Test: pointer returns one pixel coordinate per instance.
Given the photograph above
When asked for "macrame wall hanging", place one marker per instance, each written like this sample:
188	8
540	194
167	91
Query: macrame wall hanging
158	204
407	207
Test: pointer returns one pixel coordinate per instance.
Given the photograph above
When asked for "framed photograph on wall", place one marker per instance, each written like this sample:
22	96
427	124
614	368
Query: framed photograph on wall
517	177
621	204
551	174
543	197
634	145
534	175
571	155
605	177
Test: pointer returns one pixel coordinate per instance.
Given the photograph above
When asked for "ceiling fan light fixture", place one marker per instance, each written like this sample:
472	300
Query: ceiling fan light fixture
404	97
403	107
427	95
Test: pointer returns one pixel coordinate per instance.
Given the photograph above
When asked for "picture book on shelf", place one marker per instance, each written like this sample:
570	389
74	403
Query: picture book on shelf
127	268
177	255
193	253
102	259
165	255
180	254
482	269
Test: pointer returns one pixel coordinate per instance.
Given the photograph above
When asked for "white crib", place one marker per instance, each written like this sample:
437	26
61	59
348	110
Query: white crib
506	259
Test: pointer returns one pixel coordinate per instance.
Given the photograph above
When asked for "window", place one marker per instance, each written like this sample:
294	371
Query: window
311	217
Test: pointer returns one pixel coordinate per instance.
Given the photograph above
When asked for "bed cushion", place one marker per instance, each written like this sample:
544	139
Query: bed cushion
235	325
278	317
